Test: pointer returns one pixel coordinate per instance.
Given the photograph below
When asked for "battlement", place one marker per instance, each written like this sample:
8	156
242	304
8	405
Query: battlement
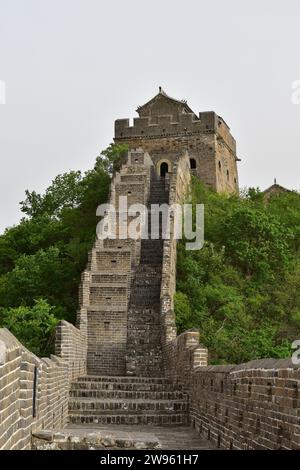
164	126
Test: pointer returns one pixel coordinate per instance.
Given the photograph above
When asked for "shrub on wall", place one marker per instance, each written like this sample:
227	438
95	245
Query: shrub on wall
242	289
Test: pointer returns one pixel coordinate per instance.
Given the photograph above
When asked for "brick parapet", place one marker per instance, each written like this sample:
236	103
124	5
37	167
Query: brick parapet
34	392
249	406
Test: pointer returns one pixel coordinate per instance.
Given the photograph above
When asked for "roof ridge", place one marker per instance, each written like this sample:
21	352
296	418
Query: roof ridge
163	93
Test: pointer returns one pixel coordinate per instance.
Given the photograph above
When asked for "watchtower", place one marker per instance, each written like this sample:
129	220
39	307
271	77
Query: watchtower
166	127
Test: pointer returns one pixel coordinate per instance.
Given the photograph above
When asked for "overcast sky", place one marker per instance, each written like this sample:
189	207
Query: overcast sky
71	67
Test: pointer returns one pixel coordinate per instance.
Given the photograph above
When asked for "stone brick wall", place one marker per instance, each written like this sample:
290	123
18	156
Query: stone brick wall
105	287
183	356
250	406
71	346
183	353
206	138
34	392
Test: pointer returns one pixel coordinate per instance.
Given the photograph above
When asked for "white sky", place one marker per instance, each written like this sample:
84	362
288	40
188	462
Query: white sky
72	67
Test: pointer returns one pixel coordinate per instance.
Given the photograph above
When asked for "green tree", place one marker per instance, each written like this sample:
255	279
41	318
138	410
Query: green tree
33	326
241	290
43	256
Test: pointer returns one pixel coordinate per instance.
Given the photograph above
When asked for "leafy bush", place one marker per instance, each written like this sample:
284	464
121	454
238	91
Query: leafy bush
33	326
242	289
43	256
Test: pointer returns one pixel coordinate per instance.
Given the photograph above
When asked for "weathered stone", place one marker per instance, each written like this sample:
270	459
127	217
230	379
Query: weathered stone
45	435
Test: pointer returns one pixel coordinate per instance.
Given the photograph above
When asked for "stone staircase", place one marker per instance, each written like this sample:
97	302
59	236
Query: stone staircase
127	400
144	356
143	396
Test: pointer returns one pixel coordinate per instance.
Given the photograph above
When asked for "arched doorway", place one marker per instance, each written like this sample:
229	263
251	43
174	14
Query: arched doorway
164	169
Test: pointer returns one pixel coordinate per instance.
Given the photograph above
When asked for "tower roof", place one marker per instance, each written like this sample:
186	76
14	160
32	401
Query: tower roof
162	102
274	190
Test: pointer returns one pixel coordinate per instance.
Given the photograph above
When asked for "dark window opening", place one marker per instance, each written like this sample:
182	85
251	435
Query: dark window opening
164	168
35	390
219	165
227	174
193	163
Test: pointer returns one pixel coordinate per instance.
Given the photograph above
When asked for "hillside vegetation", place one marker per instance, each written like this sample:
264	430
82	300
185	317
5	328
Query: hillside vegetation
42	257
242	289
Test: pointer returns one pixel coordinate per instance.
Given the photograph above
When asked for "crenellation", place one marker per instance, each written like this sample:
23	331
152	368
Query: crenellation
187	124
166	126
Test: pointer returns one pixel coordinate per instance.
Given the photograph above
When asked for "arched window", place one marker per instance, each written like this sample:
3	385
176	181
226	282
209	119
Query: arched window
164	168
193	163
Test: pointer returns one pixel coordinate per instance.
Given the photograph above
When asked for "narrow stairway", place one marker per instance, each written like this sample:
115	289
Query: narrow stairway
144	355
127	400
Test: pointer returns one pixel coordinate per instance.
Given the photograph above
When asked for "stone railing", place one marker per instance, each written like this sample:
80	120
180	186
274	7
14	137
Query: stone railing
250	406
183	353
34	392
71	346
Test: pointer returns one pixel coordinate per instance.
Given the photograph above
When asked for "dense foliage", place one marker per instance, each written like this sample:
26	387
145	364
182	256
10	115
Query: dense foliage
42	257
242	289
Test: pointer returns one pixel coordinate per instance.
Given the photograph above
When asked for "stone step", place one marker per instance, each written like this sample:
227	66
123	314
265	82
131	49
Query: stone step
149	260
147	318
152	277
142	301
92	406
152	243
123	379
179	419
149	363
127	386
151	247
158	192
129	394
143	281
146	292
158	197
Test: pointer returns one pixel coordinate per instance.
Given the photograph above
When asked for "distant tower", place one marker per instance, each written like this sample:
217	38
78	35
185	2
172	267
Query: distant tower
166	127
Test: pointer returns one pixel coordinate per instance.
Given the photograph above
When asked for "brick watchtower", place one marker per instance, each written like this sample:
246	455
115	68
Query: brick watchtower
165	127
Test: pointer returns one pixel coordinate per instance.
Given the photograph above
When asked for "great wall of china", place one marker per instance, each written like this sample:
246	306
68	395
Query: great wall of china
123	364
